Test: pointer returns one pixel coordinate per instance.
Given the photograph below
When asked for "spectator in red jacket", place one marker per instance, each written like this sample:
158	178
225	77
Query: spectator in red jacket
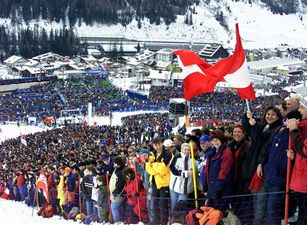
298	183
136	197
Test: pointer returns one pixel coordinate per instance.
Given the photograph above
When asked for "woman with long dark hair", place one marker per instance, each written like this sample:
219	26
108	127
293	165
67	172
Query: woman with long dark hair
240	148
259	133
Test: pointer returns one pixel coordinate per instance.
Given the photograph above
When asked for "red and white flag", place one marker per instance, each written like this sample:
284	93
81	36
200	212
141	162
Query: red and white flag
42	184
201	77
6	194
23	140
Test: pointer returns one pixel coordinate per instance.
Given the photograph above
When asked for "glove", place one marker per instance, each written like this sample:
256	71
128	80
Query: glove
218	194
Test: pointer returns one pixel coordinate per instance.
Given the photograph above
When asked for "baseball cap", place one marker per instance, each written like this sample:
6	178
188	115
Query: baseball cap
205	138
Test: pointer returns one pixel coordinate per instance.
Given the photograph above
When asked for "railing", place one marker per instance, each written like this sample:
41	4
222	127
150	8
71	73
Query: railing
257	208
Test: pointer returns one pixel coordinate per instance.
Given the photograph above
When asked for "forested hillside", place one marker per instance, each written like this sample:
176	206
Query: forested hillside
89	11
31	27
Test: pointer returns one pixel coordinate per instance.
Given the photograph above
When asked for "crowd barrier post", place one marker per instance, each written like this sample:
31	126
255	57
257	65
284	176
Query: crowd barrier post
137	190
80	197
288	182
109	197
194	173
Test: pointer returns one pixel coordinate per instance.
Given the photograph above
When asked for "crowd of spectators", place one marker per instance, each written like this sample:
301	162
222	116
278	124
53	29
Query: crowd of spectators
49	99
137	170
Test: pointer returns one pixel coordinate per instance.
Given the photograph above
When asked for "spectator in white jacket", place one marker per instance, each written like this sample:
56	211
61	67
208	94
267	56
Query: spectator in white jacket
181	181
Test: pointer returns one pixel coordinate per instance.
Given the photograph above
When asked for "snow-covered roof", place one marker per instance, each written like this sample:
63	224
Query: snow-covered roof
3	73
157	74
125	48
145	54
50	66
76	67
164	75
283	68
300	90
104	59
31	62
162	64
93	51
47	55
34	70
270	63
209	49
259	79
166	51
12	59
133	62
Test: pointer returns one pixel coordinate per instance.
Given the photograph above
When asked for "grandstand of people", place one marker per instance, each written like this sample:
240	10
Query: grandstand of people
144	171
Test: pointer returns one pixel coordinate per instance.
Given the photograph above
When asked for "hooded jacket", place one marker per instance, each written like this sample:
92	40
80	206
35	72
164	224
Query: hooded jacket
158	168
179	176
218	172
299	145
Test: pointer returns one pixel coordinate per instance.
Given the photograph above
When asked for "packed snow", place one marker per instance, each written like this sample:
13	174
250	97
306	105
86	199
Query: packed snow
17	213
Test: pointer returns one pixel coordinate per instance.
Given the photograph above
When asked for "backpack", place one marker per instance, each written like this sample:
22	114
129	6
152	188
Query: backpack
48	211
181	209
205	216
191	219
40	212
210	216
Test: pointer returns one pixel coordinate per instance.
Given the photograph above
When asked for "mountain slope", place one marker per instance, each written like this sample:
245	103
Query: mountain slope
259	26
197	20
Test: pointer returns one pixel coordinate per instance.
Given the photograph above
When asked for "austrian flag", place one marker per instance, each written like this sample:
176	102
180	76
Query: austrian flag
201	77
42	184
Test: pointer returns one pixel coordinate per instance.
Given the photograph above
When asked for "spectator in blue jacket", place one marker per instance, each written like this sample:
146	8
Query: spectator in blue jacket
70	185
273	158
218	172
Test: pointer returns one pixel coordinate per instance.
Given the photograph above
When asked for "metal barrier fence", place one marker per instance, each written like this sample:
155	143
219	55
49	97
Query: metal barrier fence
256	208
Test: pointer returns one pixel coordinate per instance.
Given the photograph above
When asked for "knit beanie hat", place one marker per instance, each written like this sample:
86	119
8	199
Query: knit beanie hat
219	135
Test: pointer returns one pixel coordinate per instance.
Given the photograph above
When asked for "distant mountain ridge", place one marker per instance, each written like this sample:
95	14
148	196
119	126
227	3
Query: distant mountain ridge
32	27
74	12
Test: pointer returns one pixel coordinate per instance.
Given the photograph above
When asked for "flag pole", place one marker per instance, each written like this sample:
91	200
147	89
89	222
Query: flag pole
80	197
137	190
287	183
109	197
186	115
34	199
247	105
194	173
